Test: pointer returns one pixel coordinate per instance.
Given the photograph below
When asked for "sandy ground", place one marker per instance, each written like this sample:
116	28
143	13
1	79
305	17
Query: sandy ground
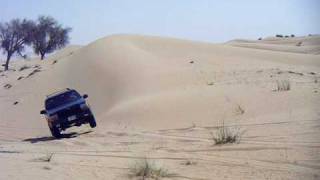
161	99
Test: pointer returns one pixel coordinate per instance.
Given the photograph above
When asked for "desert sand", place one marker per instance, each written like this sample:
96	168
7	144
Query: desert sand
161	99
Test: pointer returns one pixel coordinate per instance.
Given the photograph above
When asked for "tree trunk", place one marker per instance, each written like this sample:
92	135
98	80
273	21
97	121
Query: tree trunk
6	66
42	55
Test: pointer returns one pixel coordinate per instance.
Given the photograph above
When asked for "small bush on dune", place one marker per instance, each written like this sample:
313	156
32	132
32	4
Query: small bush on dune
239	109
225	135
24	67
283	85
46	158
146	169
299	43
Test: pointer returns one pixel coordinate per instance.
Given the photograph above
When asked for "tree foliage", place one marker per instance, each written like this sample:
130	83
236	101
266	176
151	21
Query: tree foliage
14	35
48	36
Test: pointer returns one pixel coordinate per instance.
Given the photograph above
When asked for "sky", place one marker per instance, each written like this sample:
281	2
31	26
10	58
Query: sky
203	20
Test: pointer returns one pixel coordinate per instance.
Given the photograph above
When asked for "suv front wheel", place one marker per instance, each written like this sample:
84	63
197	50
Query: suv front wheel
92	122
55	132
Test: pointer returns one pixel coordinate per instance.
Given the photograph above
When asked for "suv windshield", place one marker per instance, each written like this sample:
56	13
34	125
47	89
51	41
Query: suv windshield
61	99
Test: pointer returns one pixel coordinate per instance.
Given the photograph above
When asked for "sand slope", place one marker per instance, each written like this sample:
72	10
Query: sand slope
161	98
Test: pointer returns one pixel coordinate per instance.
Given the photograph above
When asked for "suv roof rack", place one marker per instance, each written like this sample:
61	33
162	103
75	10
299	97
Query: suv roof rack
58	92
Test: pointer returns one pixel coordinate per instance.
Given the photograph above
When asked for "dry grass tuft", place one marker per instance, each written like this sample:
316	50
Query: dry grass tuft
283	85
240	110
226	135
24	67
33	72
46	158
146	169
7	86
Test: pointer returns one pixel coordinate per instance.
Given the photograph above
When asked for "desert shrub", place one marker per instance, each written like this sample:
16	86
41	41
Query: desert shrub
279	36
286	36
283	85
299	43
260	39
225	135
24	67
47	158
7	86
33	72
292	35
297	73
239	109
210	83
189	163
145	169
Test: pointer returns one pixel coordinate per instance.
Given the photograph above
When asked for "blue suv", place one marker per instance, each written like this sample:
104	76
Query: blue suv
67	108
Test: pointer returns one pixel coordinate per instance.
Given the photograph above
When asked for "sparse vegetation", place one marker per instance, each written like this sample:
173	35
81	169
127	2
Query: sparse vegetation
7	86
55	61
225	135
46	158
45	35
48	35
299	43
37	66
284	36
33	72
145	169
239	110
14	36
283	85
210	83
189	163
24	67
47	168
292	72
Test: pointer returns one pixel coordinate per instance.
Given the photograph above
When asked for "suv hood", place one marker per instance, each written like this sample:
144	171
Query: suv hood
59	108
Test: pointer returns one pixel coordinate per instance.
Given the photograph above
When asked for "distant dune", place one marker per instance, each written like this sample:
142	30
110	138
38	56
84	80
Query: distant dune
160	98
305	44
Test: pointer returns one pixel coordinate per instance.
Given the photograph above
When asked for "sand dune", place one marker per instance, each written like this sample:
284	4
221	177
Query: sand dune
161	98
306	45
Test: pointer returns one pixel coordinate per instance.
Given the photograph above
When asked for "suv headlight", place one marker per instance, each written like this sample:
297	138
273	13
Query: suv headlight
84	106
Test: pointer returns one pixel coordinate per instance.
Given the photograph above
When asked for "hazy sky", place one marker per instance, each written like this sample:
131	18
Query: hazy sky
205	20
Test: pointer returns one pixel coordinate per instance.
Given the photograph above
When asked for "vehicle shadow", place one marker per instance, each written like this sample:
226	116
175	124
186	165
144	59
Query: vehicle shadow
50	138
